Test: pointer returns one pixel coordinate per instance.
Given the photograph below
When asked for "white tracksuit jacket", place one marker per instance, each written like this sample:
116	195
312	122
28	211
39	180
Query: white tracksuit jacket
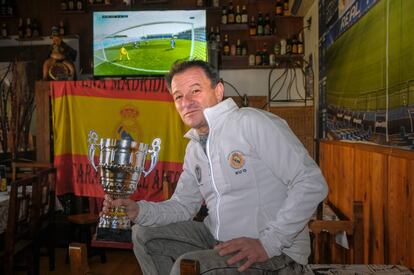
257	180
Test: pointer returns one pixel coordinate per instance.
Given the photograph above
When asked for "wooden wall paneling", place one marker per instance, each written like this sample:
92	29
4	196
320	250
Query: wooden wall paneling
326	159
370	185
410	210
397	213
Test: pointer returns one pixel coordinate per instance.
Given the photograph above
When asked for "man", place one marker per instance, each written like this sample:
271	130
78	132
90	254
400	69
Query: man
257	180
123	53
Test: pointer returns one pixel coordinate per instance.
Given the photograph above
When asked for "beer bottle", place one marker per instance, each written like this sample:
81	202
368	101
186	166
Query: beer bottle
211	35
286	11
199	3
226	46
63	5
260	24
267	28
244	15
35	29
20	29
61	28
265	55
224	15
279	7
294	45
4	32
217	34
258	58
300	44
79	5
230	13
252	27
238	15
71	5
238	47
28	31
216	3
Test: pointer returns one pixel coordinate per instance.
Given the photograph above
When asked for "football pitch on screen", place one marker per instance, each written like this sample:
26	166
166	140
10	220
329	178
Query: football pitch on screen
146	57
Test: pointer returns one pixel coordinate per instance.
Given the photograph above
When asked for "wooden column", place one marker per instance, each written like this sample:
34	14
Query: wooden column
43	122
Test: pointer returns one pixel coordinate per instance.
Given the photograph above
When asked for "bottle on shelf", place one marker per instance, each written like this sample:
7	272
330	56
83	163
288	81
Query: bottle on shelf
267	29
244	15
61	28
289	46
238	47
294	45
276	48
260	24
300	44
252	27
272	59
4	32
258	58
265	55
217	35
79	5
20	29
28	31
35	29
63	5
230	13
199	3
107	2
244	49
71	5
216	3
233	49
226	45
279	8
252	59
237	17
224	15
211	35
283	46
286	11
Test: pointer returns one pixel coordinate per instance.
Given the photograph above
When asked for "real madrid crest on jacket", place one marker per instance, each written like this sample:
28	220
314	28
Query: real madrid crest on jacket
252	163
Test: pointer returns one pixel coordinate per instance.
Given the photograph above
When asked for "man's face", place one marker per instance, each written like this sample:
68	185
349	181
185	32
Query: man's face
192	93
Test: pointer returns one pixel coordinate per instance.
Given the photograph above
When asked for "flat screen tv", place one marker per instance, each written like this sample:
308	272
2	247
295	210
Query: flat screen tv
146	43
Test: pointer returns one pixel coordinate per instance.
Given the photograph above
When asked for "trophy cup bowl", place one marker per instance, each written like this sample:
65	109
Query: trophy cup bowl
121	163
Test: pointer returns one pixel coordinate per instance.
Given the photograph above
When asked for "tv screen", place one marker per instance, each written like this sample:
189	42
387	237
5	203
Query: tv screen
136	43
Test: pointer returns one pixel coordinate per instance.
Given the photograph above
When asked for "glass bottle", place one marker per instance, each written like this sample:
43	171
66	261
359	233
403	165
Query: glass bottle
238	15
300	44
224	15
260	24
244	15
226	46
252	27
71	5
63	5
4	32
230	13
20	29
28	30
279	7
265	55
61	28
79	5
267	28
238	47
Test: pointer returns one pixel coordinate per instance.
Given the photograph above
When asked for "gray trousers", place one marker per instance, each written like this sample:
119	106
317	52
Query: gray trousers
160	249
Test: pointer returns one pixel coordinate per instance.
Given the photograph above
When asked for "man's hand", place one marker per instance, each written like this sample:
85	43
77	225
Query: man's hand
249	249
131	207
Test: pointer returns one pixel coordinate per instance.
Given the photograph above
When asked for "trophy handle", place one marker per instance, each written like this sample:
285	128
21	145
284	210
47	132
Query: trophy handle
92	139
154	155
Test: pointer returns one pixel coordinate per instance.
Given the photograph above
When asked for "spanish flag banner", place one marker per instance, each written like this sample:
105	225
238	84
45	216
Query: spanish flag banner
139	109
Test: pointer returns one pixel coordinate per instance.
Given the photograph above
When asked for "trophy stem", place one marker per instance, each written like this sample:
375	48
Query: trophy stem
114	226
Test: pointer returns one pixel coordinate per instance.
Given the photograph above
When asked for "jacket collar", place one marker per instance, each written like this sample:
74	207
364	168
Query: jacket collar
215	116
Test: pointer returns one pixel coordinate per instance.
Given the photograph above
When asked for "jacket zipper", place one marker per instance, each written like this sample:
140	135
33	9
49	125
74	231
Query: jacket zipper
214	184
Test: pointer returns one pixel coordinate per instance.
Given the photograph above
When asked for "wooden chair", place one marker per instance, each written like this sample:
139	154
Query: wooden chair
43	202
18	235
21	169
324	247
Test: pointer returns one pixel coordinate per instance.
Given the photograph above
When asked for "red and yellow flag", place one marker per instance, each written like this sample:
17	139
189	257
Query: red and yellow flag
141	109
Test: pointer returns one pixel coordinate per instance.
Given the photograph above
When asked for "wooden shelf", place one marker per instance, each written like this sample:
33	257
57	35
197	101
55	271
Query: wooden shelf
30	39
72	11
234	27
238	62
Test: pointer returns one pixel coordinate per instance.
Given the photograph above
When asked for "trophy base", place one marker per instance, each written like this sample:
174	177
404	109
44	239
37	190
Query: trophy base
114	235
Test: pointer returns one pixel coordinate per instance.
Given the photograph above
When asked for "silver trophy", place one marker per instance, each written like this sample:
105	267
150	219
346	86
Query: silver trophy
121	163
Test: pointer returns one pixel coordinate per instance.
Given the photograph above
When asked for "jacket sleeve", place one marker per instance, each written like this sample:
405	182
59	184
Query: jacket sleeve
281	150
183	204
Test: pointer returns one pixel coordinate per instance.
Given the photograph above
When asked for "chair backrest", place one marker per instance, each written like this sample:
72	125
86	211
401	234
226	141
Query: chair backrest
43	200
22	169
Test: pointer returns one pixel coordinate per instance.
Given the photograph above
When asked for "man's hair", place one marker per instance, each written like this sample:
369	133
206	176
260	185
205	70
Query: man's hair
181	66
